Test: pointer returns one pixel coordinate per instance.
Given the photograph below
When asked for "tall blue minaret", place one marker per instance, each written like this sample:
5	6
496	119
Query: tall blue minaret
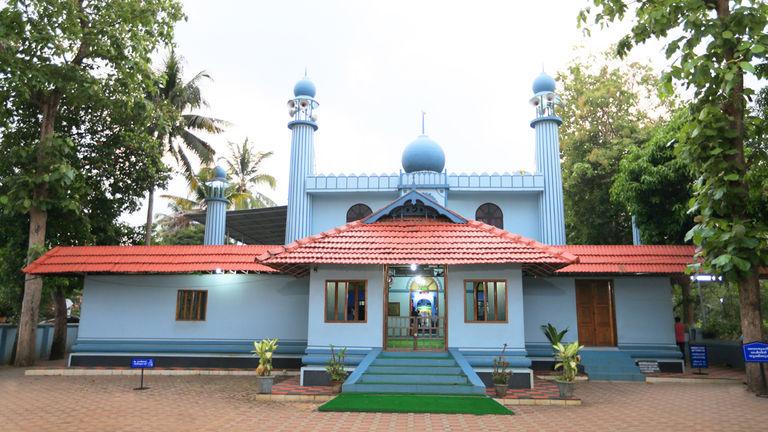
546	125
303	125
216	208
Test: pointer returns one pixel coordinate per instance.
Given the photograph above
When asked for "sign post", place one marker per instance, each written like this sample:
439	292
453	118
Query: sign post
699	358
755	352
142	363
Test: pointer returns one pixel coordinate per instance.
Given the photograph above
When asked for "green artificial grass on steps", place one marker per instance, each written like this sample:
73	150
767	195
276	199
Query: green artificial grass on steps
413	403
407	343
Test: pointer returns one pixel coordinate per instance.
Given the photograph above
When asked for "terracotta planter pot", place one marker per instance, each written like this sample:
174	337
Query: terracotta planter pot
336	386
501	390
565	388
264	384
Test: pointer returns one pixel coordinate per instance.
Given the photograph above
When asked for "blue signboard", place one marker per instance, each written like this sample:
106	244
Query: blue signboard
699	356
756	352
142	363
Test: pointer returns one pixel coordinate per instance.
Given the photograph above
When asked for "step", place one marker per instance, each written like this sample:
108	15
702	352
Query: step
414	388
610	366
412	354
413	361
410	379
411	370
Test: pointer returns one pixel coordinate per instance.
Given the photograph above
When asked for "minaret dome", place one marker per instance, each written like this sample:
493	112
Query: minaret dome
543	84
304	87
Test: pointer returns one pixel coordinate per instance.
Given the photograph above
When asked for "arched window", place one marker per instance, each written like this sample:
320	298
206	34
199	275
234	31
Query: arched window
491	214
357	212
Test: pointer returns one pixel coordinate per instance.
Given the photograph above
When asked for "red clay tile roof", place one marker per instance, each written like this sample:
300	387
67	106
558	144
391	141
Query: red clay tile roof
628	259
149	259
416	241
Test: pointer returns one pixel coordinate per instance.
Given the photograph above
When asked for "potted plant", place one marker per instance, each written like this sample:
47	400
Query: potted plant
553	335
335	369
568	359
500	374
264	351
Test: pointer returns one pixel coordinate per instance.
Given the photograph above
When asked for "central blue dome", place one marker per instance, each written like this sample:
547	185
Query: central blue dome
423	154
543	83
304	87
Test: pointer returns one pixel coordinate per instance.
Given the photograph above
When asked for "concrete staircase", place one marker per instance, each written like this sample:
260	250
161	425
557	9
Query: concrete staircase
610	365
413	372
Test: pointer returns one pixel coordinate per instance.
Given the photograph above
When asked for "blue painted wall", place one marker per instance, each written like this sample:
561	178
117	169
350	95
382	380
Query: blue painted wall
549	300
329	210
249	307
485	335
246	307
643	309
43	340
521	209
358	334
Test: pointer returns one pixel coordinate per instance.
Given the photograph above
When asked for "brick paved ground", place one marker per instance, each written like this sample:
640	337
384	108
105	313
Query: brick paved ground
715	372
290	386
218	403
542	389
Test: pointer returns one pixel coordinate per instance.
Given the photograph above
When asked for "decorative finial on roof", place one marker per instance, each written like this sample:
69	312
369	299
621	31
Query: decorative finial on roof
423	115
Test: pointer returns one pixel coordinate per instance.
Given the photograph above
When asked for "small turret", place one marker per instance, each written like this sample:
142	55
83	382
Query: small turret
216	208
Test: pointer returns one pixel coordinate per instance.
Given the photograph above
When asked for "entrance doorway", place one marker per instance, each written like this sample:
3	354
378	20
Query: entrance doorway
595	312
416	311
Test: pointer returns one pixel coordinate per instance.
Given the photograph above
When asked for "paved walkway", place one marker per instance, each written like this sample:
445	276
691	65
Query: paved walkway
222	403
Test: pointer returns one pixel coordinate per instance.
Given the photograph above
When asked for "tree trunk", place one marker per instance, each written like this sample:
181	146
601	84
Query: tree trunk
749	287
686	304
38	218
59	345
752	329
150	210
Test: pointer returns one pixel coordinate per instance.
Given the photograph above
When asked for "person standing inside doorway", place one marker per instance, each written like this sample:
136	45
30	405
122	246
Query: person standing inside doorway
680	336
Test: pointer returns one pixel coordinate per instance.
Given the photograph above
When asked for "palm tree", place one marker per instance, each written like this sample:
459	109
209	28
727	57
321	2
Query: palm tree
194	202
244	166
178	98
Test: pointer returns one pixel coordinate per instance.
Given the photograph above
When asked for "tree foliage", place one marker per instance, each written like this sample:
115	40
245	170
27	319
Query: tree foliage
607	110
69	72
178	126
244	165
712	45
655	185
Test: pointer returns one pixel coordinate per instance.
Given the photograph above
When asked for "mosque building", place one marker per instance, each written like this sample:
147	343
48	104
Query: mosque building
424	275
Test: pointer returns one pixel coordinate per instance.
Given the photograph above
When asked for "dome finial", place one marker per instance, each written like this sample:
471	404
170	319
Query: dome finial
423	115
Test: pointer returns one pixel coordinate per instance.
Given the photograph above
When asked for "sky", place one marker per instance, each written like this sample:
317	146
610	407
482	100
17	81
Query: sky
377	66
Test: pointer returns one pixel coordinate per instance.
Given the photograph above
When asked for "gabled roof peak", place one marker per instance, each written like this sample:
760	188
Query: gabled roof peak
414	203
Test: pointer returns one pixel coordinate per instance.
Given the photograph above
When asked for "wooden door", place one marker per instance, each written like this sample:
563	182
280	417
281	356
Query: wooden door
594	312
